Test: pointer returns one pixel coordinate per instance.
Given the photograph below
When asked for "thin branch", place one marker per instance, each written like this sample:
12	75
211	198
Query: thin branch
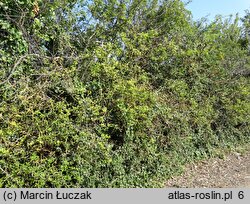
17	63
13	69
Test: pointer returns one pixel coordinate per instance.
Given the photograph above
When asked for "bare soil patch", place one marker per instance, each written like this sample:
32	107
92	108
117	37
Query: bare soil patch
231	172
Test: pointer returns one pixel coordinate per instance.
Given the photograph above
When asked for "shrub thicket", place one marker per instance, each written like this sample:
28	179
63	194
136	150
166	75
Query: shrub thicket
116	93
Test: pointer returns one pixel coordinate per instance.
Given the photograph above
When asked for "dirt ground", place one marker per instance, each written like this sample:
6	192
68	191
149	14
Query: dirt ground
231	172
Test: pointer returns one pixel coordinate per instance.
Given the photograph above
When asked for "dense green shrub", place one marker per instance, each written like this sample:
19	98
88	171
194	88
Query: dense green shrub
116	93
